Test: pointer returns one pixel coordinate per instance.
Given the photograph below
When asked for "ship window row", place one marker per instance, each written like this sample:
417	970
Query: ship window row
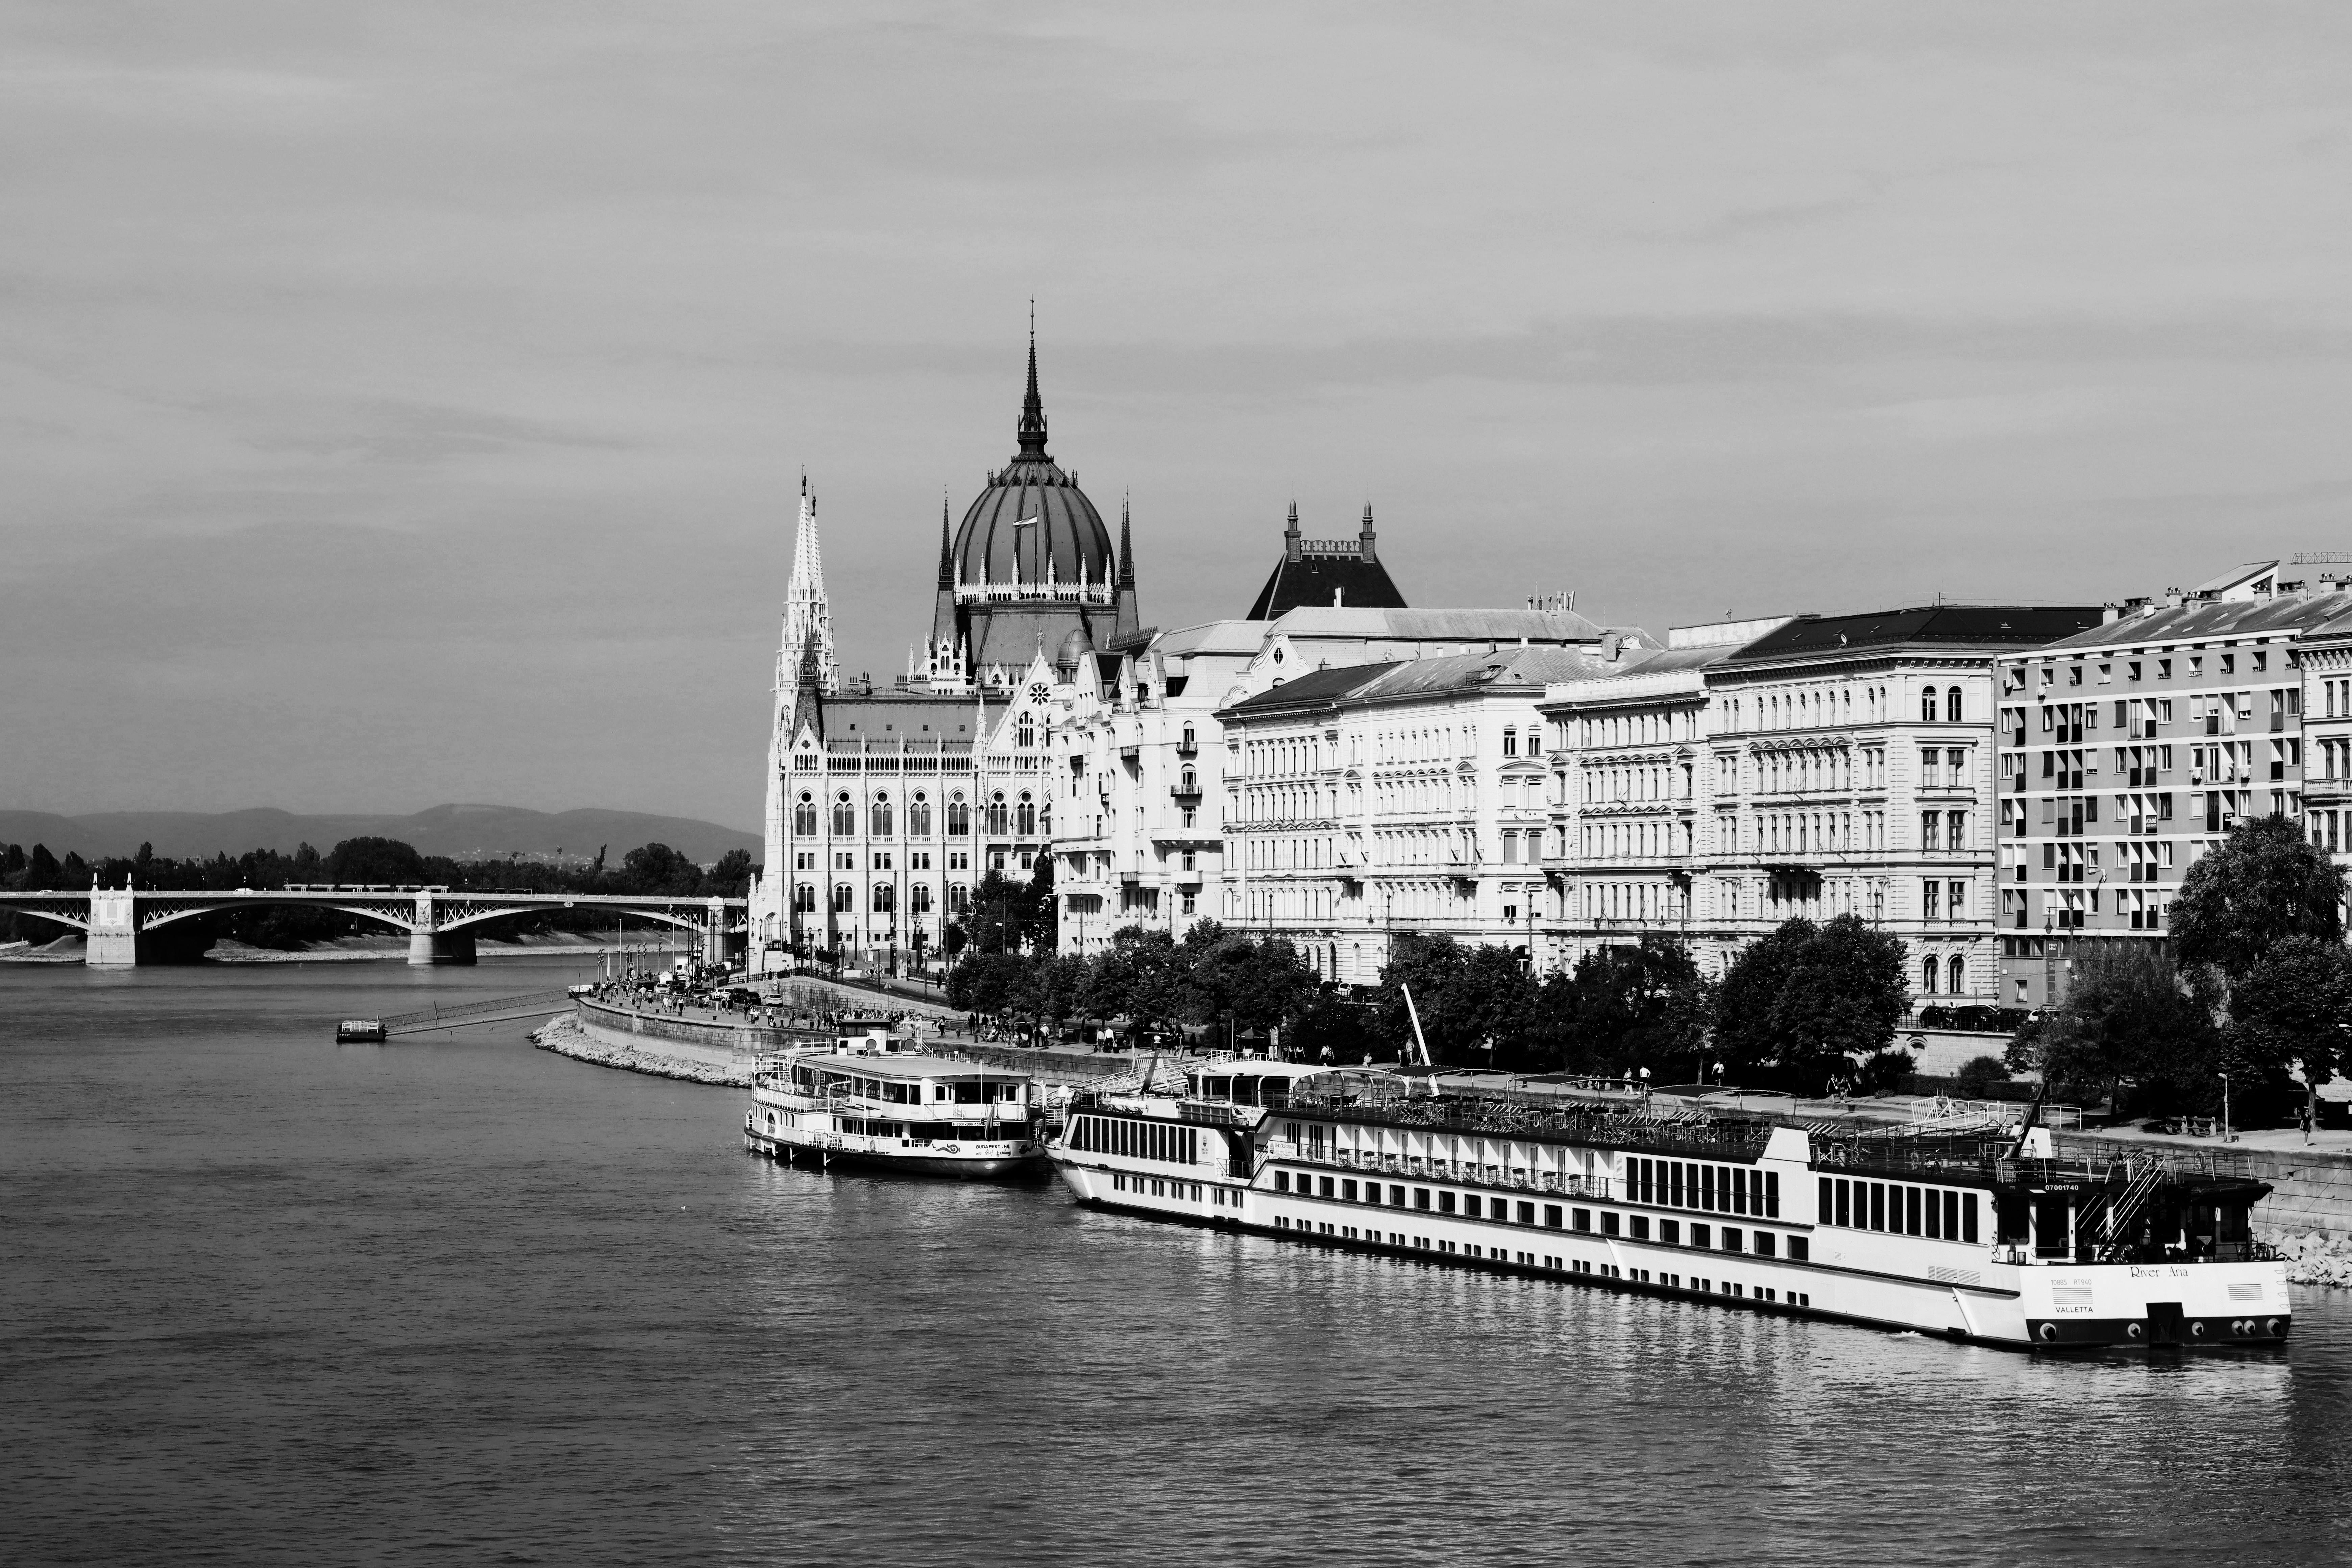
1898	1210
1158	1187
1719	1189
1707	1237
936	1131
1137	1140
1506	1211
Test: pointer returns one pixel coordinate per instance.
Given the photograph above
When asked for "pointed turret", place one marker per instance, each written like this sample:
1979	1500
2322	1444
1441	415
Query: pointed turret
1125	618
1364	543
1292	548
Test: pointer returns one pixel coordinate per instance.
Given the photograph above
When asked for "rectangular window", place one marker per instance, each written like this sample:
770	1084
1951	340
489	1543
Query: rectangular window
1843	1217
1639	1226
1322	1186
1800	1250
1739	1192
1551	1216
1772	1193
1282	1181
1968	1216
1670	1231
1608	1222
1674	1184
1910	1211
1707	1187
1935	1217
1470	1205
1877	1205
1527	1214
1702	1236
1347	1192
1828	1204
1396	1197
1583	1219
1766	1244
1421	1197
1731	1238
1445	1203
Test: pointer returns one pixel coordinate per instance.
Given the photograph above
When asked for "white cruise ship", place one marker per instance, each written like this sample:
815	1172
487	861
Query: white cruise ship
870	1104
1986	1237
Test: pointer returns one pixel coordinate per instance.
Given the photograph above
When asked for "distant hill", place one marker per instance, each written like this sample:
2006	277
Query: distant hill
460	832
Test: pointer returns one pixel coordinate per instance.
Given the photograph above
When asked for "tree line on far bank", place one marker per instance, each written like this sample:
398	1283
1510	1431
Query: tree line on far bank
649	869
1806	1004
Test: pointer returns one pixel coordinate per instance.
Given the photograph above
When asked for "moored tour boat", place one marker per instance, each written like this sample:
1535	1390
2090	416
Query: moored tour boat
867	1100
1985	1237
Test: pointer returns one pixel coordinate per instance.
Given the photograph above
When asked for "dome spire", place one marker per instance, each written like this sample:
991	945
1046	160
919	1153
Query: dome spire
1032	430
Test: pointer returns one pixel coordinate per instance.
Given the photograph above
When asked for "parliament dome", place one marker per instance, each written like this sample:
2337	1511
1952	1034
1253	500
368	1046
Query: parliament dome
1031	520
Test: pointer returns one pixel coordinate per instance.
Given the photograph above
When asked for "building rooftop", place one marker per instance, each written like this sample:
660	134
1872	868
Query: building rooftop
2201	619
1555	626
1953	626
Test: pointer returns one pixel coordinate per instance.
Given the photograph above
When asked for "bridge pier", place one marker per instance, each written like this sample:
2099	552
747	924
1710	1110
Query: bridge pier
429	944
439	947
113	929
714	934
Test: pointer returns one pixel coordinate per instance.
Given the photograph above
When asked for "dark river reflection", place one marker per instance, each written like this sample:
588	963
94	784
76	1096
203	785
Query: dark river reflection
270	1299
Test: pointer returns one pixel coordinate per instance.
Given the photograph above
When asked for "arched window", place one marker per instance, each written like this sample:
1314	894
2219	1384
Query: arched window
804	900
1927	973
996	826
1187	742
918	816
804	815
1960	974
1024	733
880	816
1024	817
886	898
959	816
1188	783
959	897
845	897
1952	706
919	898
844	817
1927	705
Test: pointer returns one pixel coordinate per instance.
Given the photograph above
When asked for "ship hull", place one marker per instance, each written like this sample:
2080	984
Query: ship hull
820	1149
2054	1309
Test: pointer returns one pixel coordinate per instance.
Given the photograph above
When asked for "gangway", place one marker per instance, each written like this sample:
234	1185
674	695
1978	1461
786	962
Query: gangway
496	1010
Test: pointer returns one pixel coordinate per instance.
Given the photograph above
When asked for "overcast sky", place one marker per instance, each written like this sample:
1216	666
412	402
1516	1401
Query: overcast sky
402	404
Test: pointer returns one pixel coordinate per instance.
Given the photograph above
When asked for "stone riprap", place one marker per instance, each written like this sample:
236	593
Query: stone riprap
566	1038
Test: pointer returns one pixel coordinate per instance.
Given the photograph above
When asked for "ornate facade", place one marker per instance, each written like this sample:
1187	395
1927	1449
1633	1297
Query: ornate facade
886	806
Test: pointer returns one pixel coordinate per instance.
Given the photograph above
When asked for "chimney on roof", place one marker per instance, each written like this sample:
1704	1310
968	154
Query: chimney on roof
2110	613
1290	542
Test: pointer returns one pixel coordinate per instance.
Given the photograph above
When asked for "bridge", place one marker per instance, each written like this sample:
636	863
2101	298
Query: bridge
439	921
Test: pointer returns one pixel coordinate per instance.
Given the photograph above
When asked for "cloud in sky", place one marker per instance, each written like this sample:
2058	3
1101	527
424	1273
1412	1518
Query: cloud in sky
404	403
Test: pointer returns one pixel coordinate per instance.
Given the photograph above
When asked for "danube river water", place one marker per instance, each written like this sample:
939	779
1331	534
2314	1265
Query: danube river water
268	1300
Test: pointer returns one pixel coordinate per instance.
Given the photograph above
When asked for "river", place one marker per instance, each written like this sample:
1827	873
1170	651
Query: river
269	1300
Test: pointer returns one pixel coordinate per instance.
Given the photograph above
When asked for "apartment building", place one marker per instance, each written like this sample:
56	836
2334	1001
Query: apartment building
1395	796
1141	757
1830	765
2131	748
1633	790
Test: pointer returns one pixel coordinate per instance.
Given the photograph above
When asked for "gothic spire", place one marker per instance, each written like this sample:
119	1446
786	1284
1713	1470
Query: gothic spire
1126	548
1032	430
